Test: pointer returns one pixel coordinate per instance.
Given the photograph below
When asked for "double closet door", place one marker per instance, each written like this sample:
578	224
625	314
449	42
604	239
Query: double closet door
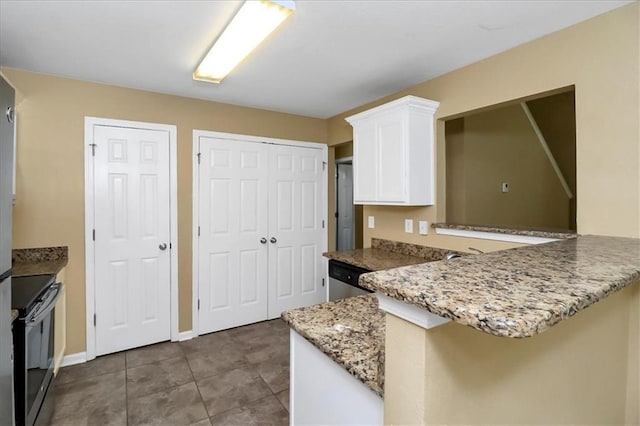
261	236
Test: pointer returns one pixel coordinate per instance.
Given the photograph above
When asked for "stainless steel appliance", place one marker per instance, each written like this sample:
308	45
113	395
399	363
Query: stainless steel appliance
343	280
35	298
7	98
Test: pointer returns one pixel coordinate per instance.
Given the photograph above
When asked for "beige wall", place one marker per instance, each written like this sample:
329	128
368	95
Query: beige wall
501	146
570	374
606	111
556	117
600	57
49	210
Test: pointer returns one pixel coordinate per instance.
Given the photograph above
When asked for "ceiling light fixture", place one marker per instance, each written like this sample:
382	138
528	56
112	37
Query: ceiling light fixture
255	20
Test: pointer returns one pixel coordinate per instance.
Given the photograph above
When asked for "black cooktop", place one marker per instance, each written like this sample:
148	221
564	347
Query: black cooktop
25	291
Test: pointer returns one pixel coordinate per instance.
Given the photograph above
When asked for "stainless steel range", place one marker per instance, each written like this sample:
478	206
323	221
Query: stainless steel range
33	332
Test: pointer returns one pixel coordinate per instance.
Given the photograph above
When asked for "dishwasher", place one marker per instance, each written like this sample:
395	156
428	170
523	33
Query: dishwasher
343	280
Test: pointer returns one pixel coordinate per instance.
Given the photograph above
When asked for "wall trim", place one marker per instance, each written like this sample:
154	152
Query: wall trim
418	316
495	236
73	359
185	335
89	203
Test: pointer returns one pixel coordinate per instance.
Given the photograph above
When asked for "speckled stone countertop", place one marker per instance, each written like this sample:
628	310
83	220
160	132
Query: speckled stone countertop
517	292
36	261
540	233
350	331
386	254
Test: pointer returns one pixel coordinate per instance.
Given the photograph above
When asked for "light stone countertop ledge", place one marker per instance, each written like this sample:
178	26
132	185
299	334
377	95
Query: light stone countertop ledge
518	292
350	331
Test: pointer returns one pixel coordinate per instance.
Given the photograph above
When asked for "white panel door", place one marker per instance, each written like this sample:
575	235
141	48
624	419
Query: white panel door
295	228
132	230
233	221
345	208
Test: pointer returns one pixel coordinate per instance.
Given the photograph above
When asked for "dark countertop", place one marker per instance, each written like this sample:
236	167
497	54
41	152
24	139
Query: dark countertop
373	259
517	292
385	254
36	261
350	331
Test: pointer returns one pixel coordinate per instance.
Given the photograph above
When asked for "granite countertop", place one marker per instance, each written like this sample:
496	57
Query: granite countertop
350	331
540	233
36	261
386	254
374	259
517	292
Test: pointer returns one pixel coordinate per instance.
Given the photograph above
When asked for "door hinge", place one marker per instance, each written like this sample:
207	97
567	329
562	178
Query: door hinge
323	282
198	231
199	157
324	165
198	304
94	320
169	246
336	215
323	224
94	235
93	149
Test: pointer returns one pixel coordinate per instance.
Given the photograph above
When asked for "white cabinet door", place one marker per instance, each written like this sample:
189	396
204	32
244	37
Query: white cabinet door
365	156
260	209
295	229
393	153
132	224
233	220
391	165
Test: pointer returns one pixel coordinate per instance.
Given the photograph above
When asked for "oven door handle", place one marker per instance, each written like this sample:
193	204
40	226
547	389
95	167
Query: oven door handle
50	302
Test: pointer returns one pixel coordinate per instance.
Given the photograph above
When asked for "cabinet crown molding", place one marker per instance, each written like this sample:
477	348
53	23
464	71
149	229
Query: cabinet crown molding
408	102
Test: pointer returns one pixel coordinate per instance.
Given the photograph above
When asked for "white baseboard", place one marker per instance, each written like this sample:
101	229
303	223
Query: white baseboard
185	335
77	358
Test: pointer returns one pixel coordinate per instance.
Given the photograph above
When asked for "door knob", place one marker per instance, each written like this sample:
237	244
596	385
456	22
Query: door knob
163	246
273	240
263	240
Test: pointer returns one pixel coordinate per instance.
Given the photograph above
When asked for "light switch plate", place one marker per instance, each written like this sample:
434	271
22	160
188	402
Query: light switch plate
423	226
371	222
408	226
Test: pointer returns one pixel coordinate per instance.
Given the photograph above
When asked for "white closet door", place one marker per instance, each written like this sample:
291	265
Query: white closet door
132	227
233	219
295	228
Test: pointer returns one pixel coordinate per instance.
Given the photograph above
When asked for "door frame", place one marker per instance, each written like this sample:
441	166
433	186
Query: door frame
196	202
343	160
89	220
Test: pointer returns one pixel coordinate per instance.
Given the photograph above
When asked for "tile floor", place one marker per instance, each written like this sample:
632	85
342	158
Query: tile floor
233	377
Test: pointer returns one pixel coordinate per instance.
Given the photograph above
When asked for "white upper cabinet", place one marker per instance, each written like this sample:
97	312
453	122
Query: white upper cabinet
393	155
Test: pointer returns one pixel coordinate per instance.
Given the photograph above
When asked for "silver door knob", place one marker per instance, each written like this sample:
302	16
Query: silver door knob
273	240
163	246
263	240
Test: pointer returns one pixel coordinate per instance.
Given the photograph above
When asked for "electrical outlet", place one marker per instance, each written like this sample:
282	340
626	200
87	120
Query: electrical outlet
371	222
423	227
408	226
505	187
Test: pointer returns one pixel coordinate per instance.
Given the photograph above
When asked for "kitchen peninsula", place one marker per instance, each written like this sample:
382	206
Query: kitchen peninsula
502	368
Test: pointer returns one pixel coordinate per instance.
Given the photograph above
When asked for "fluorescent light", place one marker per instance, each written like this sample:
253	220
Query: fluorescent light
255	20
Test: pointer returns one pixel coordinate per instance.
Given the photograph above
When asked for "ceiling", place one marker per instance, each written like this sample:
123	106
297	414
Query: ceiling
329	57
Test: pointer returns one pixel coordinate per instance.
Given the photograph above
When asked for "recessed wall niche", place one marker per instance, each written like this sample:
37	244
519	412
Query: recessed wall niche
514	165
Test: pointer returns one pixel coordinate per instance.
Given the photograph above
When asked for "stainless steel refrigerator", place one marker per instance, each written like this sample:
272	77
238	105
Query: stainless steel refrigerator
7	99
